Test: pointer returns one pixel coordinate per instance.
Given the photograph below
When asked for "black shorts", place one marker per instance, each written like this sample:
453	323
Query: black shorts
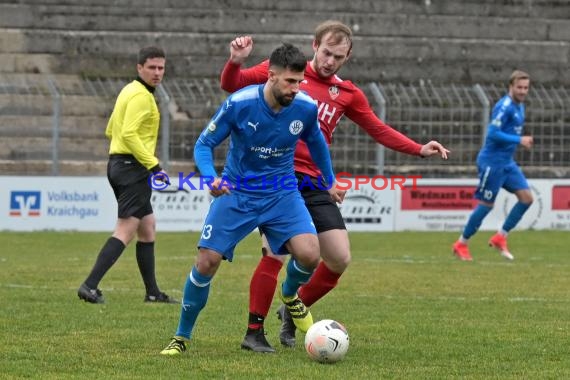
129	180
324	211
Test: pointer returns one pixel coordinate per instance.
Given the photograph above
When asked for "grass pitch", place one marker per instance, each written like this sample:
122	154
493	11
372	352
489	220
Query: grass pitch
411	309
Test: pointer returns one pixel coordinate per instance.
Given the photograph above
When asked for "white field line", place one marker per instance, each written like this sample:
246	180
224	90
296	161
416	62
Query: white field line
104	289
178	292
439	260
528	261
466	299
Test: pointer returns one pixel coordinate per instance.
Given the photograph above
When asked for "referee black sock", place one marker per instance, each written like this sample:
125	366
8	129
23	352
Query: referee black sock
109	254
145	259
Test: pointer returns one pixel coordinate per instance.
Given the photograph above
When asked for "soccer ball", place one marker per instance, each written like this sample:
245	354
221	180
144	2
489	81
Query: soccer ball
326	341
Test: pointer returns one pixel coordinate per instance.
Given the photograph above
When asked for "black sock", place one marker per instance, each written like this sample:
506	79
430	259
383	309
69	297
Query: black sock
255	322
145	259
108	255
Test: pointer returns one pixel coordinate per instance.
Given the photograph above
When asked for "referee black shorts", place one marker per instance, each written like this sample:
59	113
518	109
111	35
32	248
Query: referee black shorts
324	211
129	180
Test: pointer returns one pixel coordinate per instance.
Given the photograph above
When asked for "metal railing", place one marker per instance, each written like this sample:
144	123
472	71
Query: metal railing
63	118
458	117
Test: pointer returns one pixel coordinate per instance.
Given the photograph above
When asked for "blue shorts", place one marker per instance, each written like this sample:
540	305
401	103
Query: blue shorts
232	217
492	178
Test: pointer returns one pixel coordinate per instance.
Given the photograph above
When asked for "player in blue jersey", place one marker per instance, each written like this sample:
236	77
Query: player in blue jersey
497	168
258	187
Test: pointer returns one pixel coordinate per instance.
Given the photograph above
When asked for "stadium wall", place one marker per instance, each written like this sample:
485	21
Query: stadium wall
395	41
408	47
88	204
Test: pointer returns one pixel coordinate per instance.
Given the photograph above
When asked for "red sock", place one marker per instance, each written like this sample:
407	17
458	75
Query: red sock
321	282
263	284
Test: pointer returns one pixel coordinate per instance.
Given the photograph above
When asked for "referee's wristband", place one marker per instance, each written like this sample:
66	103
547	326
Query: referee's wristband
155	169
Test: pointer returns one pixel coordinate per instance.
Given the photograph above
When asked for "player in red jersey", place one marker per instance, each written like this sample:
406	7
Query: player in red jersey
335	97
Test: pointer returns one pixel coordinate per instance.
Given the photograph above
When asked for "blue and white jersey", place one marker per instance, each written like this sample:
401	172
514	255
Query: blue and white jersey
262	142
503	133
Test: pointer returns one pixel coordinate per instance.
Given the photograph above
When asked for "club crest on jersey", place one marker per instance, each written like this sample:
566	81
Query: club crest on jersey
211	127
296	127
334	92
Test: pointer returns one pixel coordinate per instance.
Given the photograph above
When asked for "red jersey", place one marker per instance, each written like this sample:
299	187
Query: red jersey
335	97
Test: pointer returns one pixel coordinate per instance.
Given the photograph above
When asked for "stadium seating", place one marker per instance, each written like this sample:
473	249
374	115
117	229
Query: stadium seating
403	41
395	42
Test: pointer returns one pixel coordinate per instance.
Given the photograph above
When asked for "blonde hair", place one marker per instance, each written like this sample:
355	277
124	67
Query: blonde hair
338	30
517	75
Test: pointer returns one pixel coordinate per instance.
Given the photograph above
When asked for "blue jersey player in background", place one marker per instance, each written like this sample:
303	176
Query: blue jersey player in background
258	187
497	168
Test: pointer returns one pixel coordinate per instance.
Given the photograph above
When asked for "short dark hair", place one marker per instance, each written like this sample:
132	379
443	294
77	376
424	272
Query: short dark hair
150	52
289	57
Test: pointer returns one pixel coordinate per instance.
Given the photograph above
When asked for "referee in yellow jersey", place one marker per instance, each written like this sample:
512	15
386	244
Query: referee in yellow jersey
133	132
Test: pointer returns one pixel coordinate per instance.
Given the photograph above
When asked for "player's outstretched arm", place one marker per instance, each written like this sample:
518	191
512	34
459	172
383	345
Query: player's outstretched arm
336	193
527	141
240	49
217	188
233	77
432	148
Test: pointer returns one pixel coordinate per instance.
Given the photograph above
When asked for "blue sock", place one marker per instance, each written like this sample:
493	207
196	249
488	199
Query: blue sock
475	220
196	292
515	215
296	276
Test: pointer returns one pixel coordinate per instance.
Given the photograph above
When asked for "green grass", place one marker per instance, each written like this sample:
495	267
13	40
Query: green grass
412	312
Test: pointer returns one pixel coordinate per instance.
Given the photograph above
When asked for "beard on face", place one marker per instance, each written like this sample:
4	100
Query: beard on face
324	72
283	100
